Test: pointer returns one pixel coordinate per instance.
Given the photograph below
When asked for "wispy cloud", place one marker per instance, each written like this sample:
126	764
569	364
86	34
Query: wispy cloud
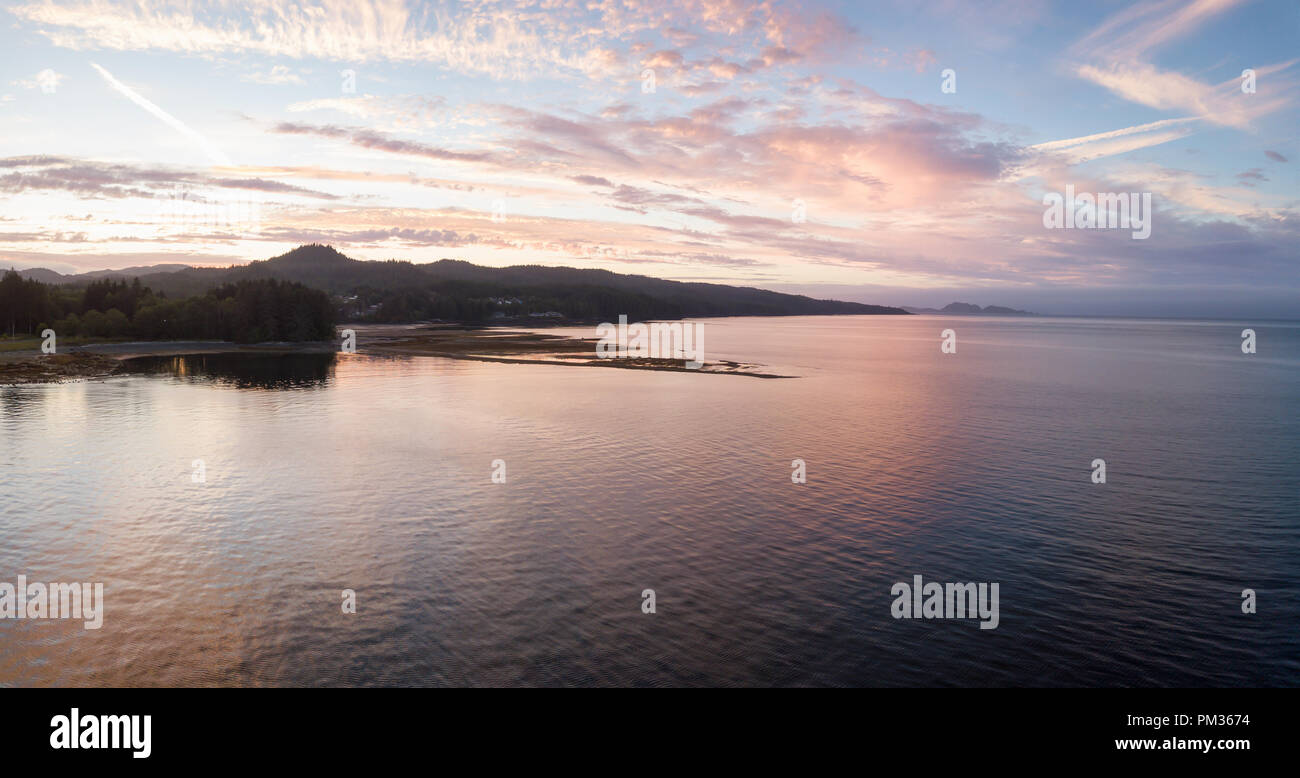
91	178
1117	56
370	139
277	75
47	80
473	40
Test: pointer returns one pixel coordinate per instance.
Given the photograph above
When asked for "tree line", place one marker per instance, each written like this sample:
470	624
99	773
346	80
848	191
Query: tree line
249	311
468	301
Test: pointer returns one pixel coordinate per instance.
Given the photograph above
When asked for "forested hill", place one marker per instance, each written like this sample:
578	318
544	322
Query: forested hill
452	289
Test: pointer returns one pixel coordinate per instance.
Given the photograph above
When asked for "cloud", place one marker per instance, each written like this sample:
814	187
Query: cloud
389	112
370	139
592	180
408	236
667	59
639	196
722	69
1133	32
1249	177
708	87
88	178
477	39
1224	104
481	38
263	185
277	75
779	55
46	80
1116	56
1273	155
807	33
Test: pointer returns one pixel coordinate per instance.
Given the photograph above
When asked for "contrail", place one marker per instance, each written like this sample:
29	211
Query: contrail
213	153
1059	144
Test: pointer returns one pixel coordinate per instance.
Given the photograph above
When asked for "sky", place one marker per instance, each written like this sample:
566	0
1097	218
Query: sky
898	153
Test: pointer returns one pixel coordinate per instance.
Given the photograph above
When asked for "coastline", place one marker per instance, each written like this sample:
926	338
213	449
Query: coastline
451	341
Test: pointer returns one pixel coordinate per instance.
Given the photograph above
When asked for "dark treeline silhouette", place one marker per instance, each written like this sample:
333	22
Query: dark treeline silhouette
248	311
454	290
24	304
476	301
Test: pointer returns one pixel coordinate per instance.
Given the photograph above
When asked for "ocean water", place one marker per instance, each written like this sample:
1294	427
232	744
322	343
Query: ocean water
325	473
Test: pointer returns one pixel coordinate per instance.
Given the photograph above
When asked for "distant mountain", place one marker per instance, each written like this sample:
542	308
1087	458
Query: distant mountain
47	276
43	275
453	289
998	310
970	309
131	272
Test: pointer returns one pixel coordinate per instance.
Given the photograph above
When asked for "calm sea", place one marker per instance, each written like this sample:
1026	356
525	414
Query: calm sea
326	473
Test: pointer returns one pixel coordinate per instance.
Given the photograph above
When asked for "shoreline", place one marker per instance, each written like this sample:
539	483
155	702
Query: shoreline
450	341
